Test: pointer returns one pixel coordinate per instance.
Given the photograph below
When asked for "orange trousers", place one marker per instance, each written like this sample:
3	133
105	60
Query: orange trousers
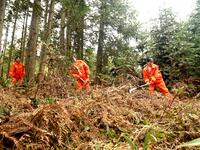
15	80
80	85
160	84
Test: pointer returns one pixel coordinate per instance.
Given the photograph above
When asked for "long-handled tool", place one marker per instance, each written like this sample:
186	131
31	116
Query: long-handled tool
135	88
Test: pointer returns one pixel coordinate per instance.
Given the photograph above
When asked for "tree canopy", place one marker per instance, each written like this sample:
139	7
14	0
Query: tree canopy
100	32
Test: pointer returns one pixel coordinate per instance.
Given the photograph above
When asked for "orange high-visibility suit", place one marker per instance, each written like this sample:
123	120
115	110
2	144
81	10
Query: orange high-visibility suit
80	71
17	72
153	76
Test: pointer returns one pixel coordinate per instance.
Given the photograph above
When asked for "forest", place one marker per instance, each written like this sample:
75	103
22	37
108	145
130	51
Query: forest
45	106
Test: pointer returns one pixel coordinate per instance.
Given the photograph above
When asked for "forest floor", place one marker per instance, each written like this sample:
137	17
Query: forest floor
110	118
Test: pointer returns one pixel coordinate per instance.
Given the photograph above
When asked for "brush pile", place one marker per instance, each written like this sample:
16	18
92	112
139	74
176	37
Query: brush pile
110	118
56	87
11	102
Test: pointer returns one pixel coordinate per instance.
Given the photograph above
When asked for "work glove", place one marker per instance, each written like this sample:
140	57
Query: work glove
87	80
147	81
152	81
84	81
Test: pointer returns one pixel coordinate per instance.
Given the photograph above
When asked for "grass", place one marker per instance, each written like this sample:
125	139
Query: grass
50	100
130	142
4	111
195	142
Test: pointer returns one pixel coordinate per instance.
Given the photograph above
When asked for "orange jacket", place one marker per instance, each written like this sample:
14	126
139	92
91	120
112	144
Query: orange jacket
17	70
80	70
152	74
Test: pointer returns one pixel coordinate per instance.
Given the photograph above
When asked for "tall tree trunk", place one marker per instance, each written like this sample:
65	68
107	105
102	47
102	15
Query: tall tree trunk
23	30
12	42
79	38
2	15
45	25
4	47
62	32
24	34
99	63
68	39
32	42
105	59
47	36
25	38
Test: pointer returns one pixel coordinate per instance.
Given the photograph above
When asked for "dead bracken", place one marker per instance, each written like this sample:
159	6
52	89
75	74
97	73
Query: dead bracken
110	118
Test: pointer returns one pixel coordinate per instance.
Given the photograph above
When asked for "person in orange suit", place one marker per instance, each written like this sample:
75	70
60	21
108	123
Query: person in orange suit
153	77
17	71
80	71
